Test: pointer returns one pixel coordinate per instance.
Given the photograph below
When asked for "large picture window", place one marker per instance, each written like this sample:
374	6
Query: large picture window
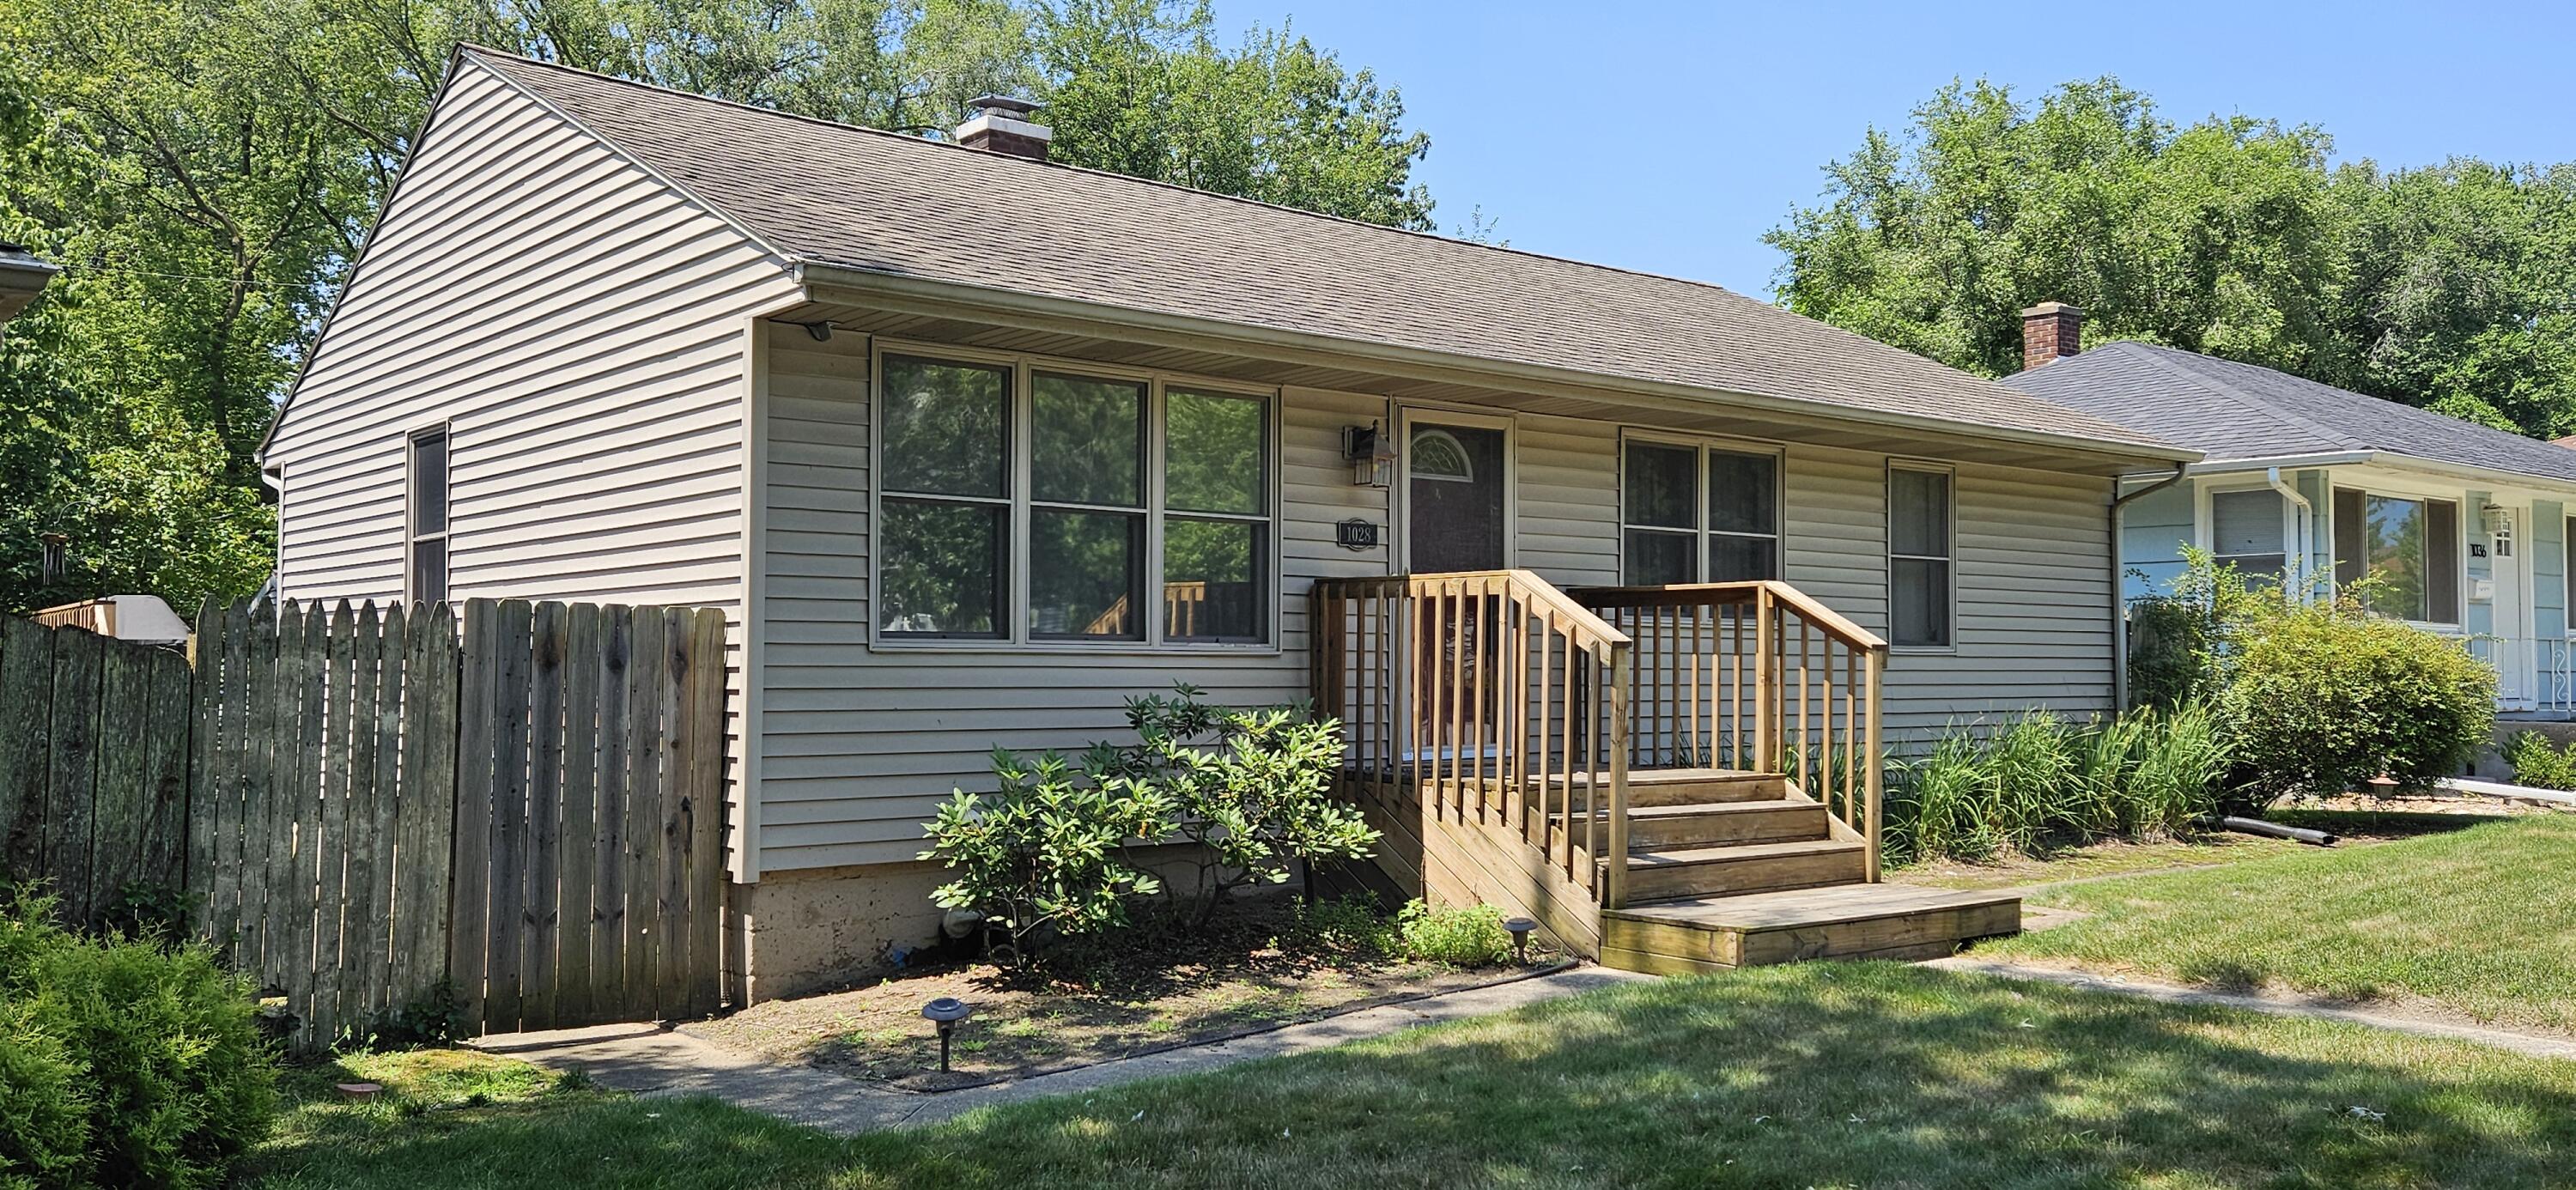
1920	570
1693	513
1029	502
2409	549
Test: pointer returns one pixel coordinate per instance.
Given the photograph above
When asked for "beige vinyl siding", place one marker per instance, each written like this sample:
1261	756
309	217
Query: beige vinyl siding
859	745
579	326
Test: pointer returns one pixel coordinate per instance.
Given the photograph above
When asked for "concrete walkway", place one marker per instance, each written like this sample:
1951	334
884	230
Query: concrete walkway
2533	1044
650	1060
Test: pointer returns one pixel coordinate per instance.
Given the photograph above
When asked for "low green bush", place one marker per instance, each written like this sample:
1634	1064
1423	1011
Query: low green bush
122	1062
1353	925
2540	764
2039	780
2326	696
1463	936
1047	854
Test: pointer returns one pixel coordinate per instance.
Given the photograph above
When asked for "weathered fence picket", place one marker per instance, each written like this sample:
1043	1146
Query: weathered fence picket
517	805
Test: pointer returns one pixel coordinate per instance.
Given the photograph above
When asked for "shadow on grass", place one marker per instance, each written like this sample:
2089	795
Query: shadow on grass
1833	1073
2380	824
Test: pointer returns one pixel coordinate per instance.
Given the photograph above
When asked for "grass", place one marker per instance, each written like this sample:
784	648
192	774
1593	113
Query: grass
2108	858
1816	1074
2480	922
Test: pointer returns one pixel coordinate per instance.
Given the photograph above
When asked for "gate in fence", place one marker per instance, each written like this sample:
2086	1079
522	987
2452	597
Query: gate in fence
510	810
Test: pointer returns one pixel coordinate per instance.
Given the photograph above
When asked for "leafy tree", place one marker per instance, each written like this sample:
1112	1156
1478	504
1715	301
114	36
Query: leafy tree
2452	287
207	174
2215	237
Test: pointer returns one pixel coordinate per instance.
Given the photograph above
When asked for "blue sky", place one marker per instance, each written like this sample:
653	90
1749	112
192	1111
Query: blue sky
1669	137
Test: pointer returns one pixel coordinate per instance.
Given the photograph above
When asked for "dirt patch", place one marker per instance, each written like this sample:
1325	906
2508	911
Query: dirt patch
1259	966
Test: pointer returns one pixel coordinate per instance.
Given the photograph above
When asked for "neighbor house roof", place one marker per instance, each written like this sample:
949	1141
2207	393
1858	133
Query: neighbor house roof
2238	411
22	277
900	206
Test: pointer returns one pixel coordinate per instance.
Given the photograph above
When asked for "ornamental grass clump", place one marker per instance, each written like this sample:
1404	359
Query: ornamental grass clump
2040	781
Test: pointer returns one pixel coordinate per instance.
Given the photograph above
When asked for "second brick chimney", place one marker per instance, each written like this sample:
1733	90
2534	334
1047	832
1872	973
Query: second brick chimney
1001	124
2050	330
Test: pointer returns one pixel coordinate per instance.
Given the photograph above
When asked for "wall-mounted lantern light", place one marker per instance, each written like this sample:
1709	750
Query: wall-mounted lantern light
1371	453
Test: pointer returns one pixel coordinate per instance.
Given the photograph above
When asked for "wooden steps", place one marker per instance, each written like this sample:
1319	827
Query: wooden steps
1734	869
1704	824
1744	868
1721	933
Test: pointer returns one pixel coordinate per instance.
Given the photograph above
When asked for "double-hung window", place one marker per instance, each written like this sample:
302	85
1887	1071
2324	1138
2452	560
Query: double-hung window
1921	576
2408	546
425	520
2247	531
1697	513
1035	502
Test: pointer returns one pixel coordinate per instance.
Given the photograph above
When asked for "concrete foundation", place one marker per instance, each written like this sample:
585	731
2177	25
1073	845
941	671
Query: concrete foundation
801	932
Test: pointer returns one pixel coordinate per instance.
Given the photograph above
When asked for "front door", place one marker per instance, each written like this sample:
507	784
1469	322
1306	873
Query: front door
1457	494
2511	610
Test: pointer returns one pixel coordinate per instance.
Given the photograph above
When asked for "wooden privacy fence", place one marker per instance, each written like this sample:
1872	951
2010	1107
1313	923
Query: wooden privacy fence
520	805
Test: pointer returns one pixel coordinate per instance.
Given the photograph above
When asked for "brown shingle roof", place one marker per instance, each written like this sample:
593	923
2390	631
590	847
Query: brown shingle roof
863	199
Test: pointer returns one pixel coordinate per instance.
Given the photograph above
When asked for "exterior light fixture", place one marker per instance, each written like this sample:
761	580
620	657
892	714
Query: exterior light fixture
1520	928
1370	450
945	1012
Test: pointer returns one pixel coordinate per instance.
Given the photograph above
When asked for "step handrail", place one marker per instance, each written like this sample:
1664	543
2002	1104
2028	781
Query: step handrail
1492	697
1729	671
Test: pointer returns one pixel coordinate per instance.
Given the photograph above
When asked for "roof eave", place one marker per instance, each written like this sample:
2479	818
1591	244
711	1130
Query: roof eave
1308	346
2502	477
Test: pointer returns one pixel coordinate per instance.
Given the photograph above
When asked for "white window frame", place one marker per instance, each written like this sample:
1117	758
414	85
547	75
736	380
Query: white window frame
2205	529
1950	523
1015	636
445	536
2425	494
1702	446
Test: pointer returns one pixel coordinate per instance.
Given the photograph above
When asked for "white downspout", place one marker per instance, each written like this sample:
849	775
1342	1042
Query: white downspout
2306	533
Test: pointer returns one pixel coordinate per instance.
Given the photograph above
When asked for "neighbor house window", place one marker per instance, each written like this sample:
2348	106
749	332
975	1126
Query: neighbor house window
1076	482
1920	572
1695	513
2409	549
425	564
2245	531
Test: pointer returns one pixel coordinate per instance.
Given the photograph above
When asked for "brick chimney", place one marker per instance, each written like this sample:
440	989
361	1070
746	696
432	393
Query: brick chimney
2050	330
1001	125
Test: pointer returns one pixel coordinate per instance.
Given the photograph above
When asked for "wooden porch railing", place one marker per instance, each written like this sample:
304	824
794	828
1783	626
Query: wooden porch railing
1498	699
1755	676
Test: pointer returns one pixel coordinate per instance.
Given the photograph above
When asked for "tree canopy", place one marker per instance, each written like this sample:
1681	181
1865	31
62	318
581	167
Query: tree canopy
207	171
2452	287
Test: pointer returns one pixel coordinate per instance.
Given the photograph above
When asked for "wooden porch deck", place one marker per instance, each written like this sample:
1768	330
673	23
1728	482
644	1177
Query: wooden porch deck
1517	746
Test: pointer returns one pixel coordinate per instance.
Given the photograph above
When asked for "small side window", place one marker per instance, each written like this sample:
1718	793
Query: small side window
425	567
1919	570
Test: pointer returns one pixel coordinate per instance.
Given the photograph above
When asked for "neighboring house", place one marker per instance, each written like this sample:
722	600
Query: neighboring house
612	342
22	277
2466	526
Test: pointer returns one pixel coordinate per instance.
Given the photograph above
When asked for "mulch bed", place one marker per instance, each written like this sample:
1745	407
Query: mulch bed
1149	988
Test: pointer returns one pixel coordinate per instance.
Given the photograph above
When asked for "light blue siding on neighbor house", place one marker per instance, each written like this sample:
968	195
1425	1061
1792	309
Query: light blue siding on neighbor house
2153	529
2548	569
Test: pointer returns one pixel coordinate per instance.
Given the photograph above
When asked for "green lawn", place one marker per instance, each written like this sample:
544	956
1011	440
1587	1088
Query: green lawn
2481	921
1817	1074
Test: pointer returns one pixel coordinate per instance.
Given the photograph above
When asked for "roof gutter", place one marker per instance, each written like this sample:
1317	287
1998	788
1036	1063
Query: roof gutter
2500	476
957	298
